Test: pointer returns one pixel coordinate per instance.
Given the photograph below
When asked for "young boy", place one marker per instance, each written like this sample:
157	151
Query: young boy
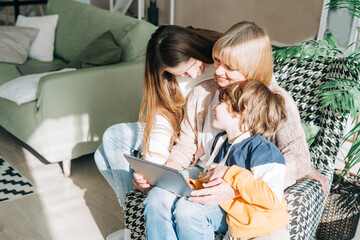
249	113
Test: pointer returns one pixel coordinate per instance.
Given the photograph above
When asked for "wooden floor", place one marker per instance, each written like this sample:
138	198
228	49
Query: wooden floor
79	207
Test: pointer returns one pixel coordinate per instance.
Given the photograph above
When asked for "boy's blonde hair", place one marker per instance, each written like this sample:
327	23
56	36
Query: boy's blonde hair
247	48
262	110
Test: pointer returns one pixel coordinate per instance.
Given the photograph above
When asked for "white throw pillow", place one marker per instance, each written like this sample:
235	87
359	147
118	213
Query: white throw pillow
24	89
43	46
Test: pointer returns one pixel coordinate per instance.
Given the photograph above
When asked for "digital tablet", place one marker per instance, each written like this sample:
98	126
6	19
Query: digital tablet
161	176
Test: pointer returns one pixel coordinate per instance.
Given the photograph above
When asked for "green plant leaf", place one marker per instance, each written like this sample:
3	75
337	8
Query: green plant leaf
328	53
353	131
307	52
317	54
342	95
352	6
355	100
284	54
331	40
353	156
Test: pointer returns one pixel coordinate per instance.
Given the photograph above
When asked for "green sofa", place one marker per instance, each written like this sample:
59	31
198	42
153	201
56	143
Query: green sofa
74	108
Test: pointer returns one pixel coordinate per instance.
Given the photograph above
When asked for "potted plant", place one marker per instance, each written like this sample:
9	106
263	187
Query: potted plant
342	211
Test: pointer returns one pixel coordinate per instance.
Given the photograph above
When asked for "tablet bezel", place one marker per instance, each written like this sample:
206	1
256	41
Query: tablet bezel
161	176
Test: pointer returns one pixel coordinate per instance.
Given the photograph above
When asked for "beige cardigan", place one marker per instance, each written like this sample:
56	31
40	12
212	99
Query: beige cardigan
290	138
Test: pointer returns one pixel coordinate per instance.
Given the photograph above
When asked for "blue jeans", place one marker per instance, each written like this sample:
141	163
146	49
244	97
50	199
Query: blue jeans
119	139
170	217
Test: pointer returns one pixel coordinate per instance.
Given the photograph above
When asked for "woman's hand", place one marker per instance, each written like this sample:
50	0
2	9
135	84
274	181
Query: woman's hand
173	164
140	183
314	174
216	191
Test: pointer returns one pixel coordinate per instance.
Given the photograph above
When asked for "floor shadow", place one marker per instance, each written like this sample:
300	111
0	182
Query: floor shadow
16	211
99	196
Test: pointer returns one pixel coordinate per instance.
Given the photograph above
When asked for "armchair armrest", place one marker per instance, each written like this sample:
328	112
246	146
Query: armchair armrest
305	206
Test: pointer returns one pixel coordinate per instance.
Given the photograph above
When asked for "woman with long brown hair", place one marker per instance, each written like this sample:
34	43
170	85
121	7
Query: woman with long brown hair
177	58
172	52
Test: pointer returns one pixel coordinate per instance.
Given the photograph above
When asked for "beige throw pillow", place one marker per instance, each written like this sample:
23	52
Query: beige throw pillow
15	43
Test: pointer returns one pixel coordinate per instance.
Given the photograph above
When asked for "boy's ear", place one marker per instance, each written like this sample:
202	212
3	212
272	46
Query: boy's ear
236	115
239	114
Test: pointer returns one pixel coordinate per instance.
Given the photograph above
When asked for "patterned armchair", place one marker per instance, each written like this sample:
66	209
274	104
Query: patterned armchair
305	199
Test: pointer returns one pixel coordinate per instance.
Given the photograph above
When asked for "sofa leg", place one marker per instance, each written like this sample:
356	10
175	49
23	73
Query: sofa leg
66	167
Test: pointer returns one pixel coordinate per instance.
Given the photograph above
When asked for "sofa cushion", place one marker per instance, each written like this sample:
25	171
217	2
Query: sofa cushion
134	40
102	51
15	43
43	46
79	24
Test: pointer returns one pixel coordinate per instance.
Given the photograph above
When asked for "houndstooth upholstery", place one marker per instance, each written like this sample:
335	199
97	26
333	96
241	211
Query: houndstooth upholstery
305	199
134	217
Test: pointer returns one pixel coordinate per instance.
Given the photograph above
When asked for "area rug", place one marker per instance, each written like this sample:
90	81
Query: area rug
12	184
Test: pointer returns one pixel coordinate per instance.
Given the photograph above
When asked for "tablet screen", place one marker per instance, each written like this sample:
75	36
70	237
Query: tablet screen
160	175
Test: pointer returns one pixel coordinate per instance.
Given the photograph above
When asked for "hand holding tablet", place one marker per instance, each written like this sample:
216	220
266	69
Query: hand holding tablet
161	176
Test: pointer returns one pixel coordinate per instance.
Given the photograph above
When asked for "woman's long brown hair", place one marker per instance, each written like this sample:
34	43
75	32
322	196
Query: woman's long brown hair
170	46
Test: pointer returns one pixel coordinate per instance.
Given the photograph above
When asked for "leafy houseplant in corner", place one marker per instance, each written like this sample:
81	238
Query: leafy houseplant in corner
342	95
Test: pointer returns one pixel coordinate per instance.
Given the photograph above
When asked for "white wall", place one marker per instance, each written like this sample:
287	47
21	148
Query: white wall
287	21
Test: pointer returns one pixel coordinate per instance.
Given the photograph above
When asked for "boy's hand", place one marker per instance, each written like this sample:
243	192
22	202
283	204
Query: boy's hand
140	183
192	186
216	191
217	171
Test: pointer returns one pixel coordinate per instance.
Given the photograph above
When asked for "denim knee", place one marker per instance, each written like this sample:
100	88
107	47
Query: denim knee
123	138
112	135
159	201
186	212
